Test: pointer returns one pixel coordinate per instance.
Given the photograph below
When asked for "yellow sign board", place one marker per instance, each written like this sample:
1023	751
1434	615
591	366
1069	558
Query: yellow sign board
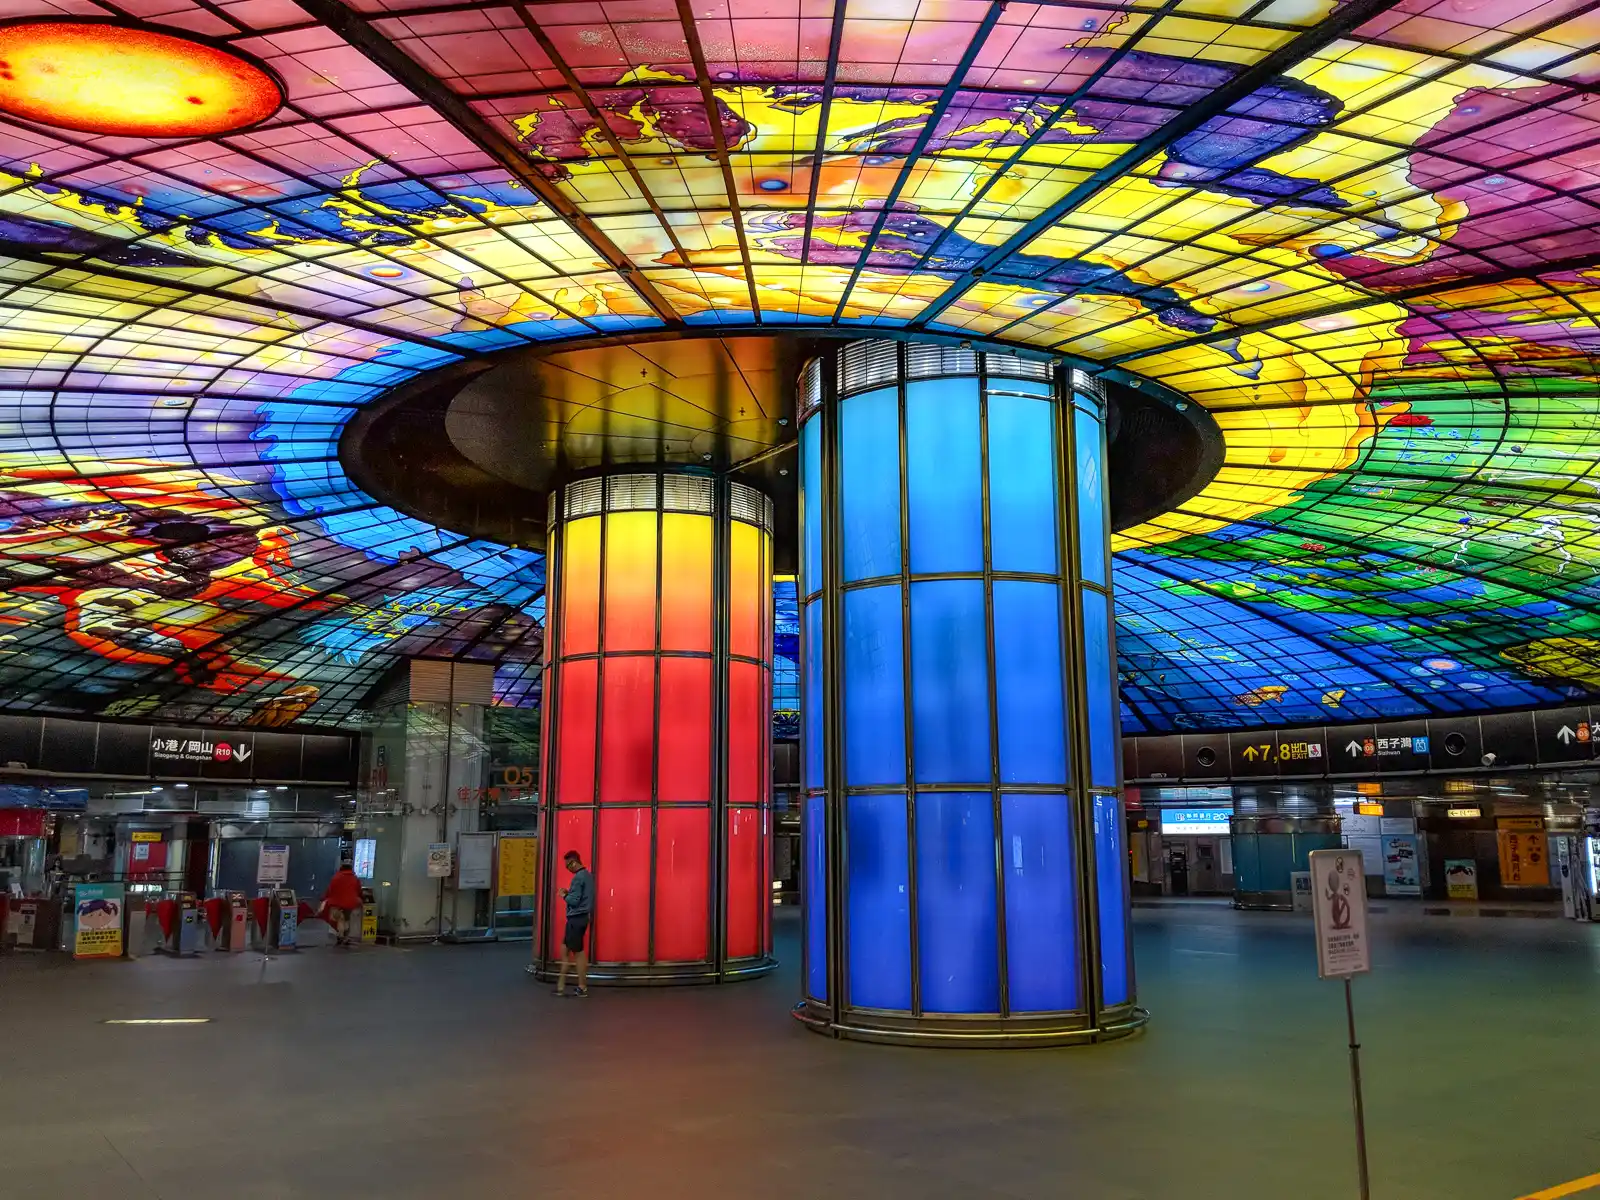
1369	808
145	835
97	920
519	866
1524	859
1521	824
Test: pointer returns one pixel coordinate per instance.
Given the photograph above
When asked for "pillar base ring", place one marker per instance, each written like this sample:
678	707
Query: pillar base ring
972	1033
665	975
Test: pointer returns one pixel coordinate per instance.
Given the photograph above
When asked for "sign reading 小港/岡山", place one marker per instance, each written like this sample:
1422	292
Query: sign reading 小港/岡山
192	752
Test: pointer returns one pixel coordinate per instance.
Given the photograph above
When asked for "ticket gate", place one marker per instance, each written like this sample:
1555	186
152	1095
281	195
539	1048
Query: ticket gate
235	922
183	925
283	919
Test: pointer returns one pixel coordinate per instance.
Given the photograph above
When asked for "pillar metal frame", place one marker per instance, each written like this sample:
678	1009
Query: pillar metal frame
1092	1021
717	967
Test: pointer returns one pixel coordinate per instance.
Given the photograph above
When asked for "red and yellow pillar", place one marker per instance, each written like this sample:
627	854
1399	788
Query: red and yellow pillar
657	744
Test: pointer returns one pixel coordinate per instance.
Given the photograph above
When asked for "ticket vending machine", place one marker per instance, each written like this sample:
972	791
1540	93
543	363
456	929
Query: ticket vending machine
369	917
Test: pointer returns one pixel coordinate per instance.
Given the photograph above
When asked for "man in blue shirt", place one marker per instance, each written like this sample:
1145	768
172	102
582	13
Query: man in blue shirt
579	895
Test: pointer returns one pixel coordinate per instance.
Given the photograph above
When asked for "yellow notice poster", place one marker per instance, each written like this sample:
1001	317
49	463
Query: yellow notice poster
97	920
1524	859
519	866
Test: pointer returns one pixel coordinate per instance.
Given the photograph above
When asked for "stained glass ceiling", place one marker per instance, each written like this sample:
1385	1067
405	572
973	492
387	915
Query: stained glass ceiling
1361	234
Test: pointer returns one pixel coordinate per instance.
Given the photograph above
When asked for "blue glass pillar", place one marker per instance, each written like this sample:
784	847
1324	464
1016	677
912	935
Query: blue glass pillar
965	860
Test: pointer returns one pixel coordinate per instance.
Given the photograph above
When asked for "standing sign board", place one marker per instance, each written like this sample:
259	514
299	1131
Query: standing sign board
272	867
475	861
519	865
1339	908
1461	878
97	920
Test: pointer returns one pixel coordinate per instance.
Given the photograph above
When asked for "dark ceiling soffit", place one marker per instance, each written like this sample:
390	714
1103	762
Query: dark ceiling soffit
403	68
1348	18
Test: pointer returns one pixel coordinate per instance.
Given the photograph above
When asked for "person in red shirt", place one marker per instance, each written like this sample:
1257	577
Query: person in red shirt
342	903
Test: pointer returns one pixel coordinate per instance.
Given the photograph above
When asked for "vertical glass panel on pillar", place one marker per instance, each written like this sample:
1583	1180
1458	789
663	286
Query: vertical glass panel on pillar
869	499
811	506
1111	868
812	731
630	581
879	949
1041	906
627	729
684	745
622	886
950	681
1023	493
574	830
578	710
814	895
746	601
944	485
580	586
746	882
686	578
957	943
1029	683
1093	561
683	884
747	745
1105	753
874	687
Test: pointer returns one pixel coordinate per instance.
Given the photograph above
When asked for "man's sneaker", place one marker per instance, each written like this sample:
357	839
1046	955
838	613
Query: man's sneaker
582	993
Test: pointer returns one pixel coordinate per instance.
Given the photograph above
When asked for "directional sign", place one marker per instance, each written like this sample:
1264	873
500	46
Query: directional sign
1253	753
1564	735
1352	750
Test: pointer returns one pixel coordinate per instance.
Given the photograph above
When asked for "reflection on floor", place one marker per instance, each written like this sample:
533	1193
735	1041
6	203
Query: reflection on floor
445	1072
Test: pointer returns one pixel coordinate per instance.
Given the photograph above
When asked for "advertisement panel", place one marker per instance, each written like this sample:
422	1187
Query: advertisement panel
1402	874
97	920
1461	878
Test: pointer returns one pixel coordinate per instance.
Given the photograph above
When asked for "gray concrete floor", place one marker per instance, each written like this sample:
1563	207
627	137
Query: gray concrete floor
446	1072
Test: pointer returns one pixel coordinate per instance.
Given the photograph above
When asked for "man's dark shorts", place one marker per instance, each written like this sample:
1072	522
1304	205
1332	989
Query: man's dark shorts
577	931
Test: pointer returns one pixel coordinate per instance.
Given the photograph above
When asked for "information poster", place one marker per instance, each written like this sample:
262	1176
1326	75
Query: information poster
1339	913
474	860
273	865
438	860
1461	878
519	866
1402	874
1524	858
97	920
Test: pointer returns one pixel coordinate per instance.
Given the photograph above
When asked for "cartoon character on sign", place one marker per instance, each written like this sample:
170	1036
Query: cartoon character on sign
99	914
1338	890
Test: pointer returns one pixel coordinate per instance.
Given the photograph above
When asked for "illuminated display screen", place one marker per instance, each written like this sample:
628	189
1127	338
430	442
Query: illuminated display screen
1369	255
1206	821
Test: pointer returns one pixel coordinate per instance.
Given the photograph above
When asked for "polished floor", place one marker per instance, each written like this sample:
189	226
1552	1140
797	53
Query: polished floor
446	1072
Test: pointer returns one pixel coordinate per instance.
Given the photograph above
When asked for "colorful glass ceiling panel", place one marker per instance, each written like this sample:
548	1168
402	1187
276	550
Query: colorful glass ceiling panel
1362	234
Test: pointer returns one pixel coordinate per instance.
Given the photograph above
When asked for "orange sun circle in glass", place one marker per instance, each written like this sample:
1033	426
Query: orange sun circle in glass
133	82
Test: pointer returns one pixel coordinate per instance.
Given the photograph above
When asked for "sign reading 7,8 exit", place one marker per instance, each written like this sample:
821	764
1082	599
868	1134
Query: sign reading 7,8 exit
1255	754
